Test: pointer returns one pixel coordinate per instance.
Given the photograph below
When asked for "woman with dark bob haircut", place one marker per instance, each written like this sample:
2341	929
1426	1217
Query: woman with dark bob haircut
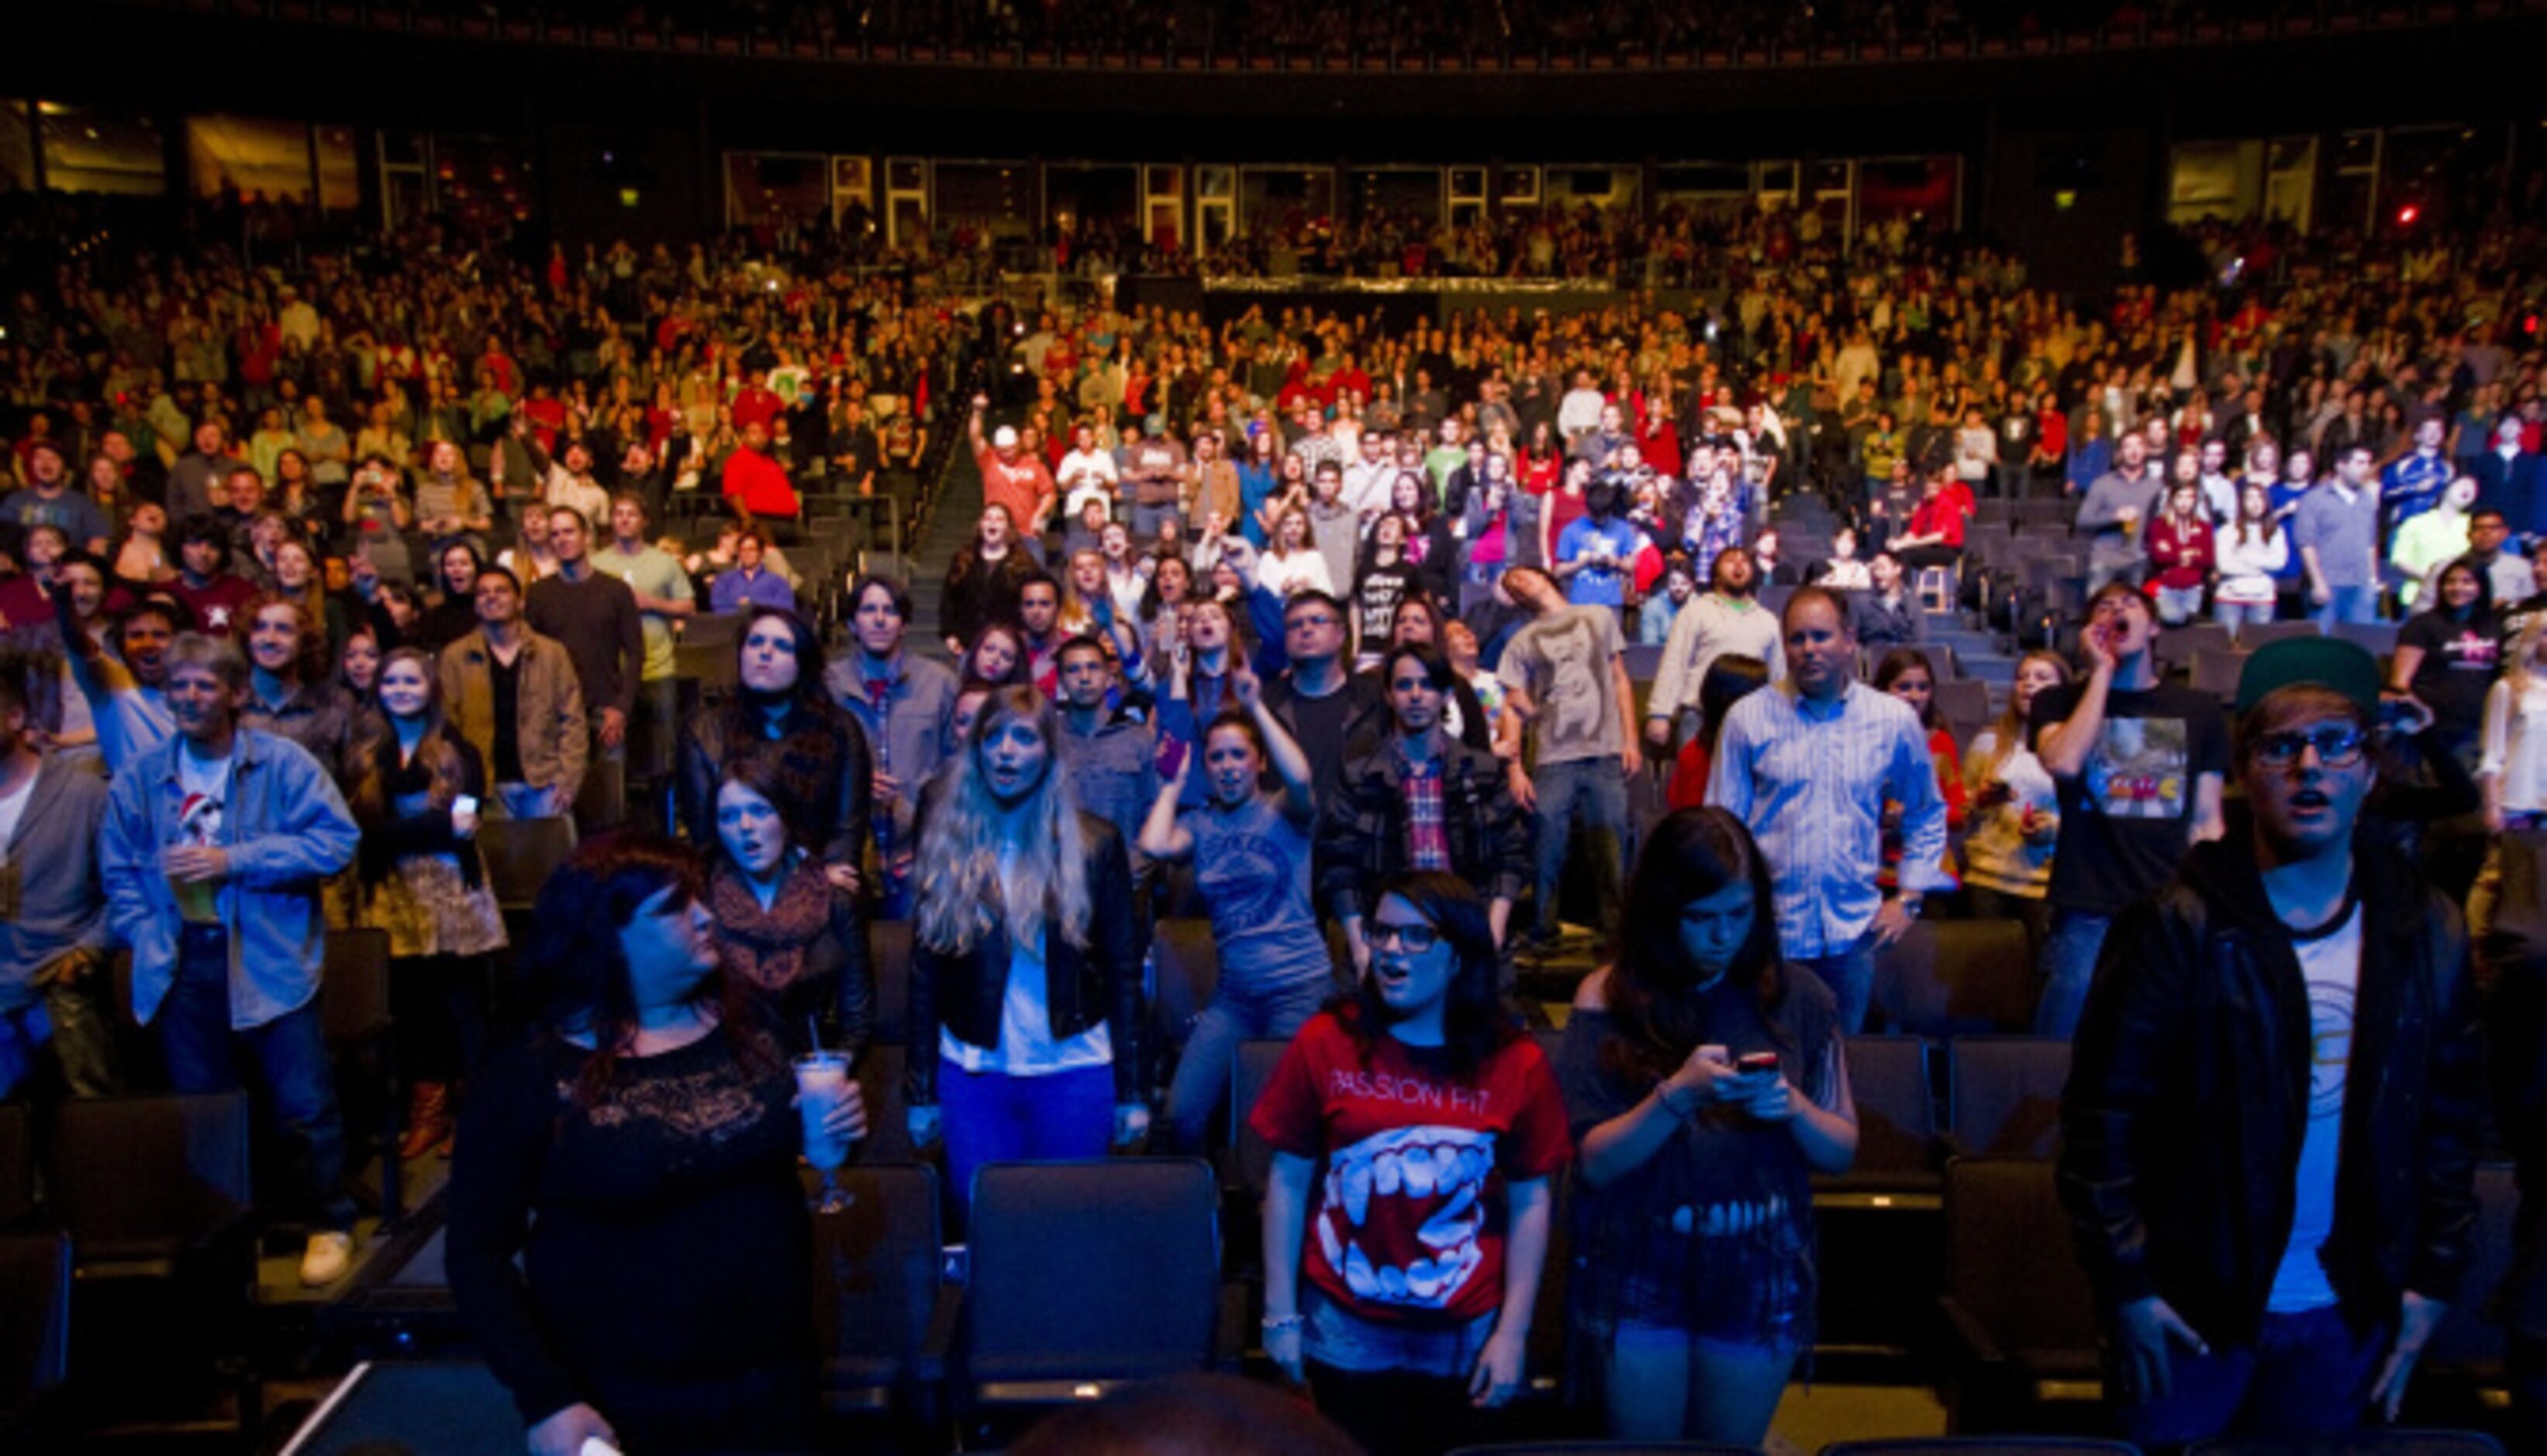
1706	1086
1414	1132
638	1154
823	764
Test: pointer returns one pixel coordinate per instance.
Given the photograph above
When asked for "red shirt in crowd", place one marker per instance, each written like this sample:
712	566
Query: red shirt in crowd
759	483
1022	486
1408	1209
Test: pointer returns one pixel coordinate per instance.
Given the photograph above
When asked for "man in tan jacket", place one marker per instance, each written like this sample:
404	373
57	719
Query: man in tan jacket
512	694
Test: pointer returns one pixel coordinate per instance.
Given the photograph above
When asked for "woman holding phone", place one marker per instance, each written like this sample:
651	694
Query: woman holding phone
1705	1084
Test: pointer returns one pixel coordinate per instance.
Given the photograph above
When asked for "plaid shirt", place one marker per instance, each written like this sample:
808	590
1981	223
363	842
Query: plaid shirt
1363	834
1428	844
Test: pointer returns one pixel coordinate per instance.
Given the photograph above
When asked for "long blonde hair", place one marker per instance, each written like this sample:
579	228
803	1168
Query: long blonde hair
2522	667
960	896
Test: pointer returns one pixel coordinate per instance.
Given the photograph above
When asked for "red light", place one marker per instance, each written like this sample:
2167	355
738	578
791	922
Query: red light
2407	215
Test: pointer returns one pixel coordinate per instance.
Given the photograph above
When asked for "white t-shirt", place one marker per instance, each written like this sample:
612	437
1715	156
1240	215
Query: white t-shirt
1027	1047
2330	961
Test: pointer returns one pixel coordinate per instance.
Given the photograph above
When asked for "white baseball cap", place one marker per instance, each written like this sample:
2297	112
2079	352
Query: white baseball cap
1005	436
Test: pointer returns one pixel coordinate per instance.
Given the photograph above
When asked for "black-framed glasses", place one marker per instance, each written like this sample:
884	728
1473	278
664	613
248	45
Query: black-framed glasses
2337	745
1416	939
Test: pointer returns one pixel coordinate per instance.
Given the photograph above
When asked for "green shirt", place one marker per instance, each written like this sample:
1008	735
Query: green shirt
651	572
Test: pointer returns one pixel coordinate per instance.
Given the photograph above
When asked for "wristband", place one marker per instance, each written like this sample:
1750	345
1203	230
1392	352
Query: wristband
1277	1323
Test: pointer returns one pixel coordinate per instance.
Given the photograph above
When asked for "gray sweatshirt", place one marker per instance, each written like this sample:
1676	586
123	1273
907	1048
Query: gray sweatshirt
52	859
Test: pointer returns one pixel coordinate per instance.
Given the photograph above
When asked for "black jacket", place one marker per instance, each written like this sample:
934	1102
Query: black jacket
2189	1092
1083	984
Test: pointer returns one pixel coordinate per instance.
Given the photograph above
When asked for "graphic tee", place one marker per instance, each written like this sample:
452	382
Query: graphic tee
1407	1210
1252	868
2330	963
1563	662
207	790
2126	818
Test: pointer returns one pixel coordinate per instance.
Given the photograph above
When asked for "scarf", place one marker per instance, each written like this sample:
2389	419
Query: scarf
766	947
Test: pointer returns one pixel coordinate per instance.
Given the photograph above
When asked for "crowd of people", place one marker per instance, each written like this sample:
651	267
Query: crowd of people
1319	627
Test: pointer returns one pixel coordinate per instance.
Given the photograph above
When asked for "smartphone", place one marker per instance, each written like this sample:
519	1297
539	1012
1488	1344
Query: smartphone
1172	757
1750	1062
465	803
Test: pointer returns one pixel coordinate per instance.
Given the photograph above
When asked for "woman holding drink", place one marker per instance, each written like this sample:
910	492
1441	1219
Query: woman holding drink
637	1153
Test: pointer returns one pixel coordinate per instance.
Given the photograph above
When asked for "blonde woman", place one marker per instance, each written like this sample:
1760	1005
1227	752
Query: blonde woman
1293	563
1025	968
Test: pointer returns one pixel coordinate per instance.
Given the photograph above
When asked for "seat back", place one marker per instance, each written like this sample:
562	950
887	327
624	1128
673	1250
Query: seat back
1252	1160
1983	1446
354	1004
1962	704
522	854
875	1276
1948	978
1185	961
2217	673
2257	633
879	1073
2009	1263
2004	1096
2369	1442
1896	1109
1105	1270
150	1169
17	1163
2177	645
2469	1342
35	1319
889	953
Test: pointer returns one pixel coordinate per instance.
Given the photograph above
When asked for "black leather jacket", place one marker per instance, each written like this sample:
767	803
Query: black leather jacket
1083	984
2189	1092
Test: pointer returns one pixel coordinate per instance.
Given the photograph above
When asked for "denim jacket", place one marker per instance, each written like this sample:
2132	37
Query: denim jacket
285	828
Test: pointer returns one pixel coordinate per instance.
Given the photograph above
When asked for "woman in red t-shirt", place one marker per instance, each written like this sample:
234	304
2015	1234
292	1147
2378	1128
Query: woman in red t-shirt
1414	1132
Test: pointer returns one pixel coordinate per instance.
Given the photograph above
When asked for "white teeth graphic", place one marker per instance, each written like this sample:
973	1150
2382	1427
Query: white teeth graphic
1423	1279
1328	1244
1358	1193
1418	1164
1474	1164
1386	1176
1454	1222
1357	1275
1392	1285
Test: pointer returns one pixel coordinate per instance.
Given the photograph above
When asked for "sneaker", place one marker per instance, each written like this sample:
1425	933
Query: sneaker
327	1260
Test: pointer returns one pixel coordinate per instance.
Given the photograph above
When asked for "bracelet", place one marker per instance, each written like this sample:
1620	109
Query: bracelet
1277	1323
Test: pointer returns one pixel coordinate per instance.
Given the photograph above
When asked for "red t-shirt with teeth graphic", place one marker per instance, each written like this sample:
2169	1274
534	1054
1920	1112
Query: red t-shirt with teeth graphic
1407	1208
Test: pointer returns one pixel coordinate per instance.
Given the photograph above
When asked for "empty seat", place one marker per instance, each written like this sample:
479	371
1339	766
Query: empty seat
1883	1262
1052	1313
2257	633
1185	961
2217	673
1896	1119
522	854
2379	639
2003	1096
2177	646
1948	978
2018	1306
884	1316
2464	1360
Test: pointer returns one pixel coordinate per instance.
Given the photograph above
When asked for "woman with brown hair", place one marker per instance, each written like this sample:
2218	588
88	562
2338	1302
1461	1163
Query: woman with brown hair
415	787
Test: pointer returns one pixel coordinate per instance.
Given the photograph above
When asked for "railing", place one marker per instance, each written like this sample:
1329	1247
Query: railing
1740	54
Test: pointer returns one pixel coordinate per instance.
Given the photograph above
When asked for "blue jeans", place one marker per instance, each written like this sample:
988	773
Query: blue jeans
1146	519
2069	965
2177	605
992	1117
2349	604
1211	1049
2234	614
1594	791
291	1054
2306	1375
1849	976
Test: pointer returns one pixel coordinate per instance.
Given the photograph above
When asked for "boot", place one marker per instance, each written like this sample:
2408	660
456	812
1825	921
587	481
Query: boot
428	1119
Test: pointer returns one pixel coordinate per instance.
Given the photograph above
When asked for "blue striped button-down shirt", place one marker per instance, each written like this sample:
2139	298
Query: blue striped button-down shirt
1811	778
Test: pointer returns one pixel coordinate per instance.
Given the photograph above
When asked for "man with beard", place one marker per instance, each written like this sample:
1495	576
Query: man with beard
1727	619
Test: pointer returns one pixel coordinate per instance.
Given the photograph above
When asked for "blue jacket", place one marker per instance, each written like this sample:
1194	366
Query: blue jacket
285	828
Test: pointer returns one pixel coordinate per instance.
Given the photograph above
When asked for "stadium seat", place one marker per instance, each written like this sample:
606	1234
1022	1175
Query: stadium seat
2257	633
2217	673
17	1164
34	1331
2021	1316
1950	978
2176	647
2370	1441
1898	1151
1883	1262
2461	1374
2003	1096
1087	1276
354	1005
889	955
1251	1161
522	854
886	1318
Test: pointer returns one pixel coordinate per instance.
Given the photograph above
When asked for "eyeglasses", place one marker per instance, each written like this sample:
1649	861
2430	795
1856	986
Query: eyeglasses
2337	745
1415	939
